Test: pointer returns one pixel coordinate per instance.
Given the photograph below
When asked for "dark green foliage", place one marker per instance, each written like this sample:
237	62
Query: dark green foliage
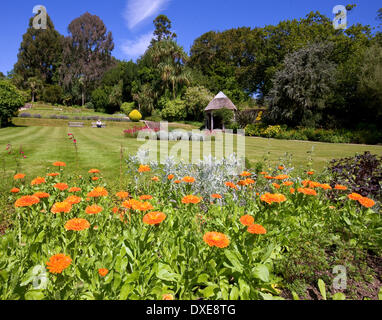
52	94
174	110
162	29
10	101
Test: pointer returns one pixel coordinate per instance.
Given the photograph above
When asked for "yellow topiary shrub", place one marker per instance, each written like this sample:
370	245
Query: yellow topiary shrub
135	116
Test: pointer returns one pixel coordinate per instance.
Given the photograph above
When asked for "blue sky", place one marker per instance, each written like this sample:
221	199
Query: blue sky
131	20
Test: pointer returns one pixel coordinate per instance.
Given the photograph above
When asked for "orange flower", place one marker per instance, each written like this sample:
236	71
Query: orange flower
94	209
305	182
269	177
26	201
122	194
256	229
59	164
58	263
245	174
287	183
277	186
340	187
15	190
270	198
188	179
354	196
167	296
98	192
38	181
61	186
292	190
155	178
94	171
366	202
170	177
310	173
217	239
231	185
103	272
115	210
307	191
177	181
77	224
191	199
325	186
144	168
216	196
95	178
145	206
313	184
281	168
73	200
42	195
263	172
153	218
19	176
281	177
75	189
61	207
145	197
137	205
53	174
247	220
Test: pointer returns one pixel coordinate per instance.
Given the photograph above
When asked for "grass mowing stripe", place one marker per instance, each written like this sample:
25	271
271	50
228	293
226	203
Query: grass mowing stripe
9	136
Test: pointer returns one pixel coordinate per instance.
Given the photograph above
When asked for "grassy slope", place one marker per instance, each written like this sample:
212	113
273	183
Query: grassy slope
100	148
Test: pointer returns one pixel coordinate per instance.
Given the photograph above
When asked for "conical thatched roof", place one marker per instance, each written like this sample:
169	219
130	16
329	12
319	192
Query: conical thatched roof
219	102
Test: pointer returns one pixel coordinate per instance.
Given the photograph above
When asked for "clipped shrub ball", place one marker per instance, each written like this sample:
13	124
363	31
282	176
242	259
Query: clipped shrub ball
135	116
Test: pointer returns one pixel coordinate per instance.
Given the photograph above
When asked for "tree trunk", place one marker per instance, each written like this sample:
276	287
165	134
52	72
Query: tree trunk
83	97
32	96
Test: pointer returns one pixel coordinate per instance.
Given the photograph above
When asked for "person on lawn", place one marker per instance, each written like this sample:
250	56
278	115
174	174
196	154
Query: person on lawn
99	123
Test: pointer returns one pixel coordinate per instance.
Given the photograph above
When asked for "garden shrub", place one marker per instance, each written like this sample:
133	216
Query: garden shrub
127	107
135	115
174	110
10	101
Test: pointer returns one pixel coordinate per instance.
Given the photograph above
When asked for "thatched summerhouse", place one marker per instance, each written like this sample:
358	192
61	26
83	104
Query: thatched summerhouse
219	102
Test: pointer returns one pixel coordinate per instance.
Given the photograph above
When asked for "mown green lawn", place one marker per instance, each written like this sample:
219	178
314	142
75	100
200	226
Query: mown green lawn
101	148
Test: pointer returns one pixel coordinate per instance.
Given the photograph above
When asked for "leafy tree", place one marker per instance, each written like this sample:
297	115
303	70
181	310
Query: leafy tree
86	54
10	101
35	85
197	99
145	98
52	93
40	53
301	89
2	76
100	98
174	110
162	29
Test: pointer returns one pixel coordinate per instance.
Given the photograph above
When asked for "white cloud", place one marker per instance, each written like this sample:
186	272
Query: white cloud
139	10
135	48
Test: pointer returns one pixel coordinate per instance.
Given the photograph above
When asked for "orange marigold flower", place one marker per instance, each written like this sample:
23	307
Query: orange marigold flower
145	206
145	197
287	183
59	164
94	209
61	207
354	196
310	173
216	196
249	181
53	174
313	184
19	176
281	168
58	263
38	181
95	178
340	187
216	239
325	186
103	272
277	186
245	174
292	190
191	199
366	202
15	190
122	194
247	220
307	191
115	210
256	229
230	185
263	172
269	177
188	179
77	224
75	189
170	177
177	181
61	186
153	218
155	178
42	195
94	171
242	183
167	296
270	198
144	168
281	177
73	200
98	192
26	201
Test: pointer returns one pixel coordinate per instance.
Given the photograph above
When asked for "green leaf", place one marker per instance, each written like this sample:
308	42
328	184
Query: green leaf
125	291
261	272
234	294
234	259
268	296
165	273
203	278
34	295
321	286
209	291
4	275
295	296
40	237
244	289
339	296
380	293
